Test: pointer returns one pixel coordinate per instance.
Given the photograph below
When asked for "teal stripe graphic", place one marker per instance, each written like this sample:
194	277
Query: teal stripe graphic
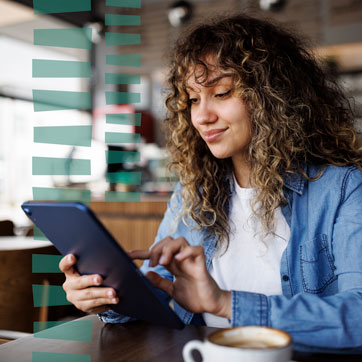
122	97
41	326
122	39
121	78
124	3
116	196
49	295
124	60
58	194
123	177
64	135
44	68
60	357
74	330
122	20
115	137
130	119
43	263
38	234
50	100
60	6
122	156
80	38
60	166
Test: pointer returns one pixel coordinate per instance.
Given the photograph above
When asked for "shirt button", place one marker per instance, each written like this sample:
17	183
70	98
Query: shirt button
285	278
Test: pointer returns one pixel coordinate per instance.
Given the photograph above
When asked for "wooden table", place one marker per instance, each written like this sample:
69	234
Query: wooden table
132	342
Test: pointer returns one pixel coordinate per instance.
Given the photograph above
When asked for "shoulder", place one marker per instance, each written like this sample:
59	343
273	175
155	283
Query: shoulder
339	179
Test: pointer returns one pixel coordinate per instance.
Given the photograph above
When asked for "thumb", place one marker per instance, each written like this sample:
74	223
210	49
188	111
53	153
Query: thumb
160	283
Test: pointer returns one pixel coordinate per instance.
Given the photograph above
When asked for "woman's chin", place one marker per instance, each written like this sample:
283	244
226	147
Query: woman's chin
220	155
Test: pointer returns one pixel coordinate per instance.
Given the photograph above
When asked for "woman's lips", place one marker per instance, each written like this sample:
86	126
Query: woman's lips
213	134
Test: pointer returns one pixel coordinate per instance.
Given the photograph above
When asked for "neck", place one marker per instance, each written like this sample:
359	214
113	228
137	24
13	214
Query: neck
242	171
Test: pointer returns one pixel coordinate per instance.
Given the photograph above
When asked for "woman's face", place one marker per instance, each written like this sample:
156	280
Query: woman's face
221	118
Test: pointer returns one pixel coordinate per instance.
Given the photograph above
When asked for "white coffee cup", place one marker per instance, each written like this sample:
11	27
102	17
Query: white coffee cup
246	344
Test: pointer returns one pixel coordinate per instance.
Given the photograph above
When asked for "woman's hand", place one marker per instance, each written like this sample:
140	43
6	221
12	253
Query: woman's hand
193	288
83	290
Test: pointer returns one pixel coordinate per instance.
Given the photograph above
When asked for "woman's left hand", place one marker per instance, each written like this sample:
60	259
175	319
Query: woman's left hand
193	288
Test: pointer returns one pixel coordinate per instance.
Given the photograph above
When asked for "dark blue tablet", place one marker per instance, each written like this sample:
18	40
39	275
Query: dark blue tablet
74	229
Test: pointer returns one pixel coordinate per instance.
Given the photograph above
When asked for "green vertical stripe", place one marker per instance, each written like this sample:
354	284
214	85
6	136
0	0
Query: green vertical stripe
64	135
44	68
122	39
122	98
121	78
122	20
74	330
124	3
61	6
60	166
122	156
80	38
42	263
124	60
130	119
124	177
50	100
59	357
116	196
116	137
59	194
49	295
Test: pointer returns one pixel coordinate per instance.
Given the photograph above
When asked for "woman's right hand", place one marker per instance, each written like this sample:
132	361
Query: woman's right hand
83	290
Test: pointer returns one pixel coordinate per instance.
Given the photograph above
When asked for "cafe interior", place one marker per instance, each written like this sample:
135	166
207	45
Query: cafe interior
334	28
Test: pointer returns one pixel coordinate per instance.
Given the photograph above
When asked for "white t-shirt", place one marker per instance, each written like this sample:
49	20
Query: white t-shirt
252	261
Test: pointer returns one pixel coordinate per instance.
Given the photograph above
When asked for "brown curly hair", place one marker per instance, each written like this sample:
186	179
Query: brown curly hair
298	116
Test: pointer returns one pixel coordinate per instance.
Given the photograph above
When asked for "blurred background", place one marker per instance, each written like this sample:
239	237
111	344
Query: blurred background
334	28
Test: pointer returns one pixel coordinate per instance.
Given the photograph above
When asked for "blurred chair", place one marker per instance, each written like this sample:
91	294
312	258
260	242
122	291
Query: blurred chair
17	312
6	228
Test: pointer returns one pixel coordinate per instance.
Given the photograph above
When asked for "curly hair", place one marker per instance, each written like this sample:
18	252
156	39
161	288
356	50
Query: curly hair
298	116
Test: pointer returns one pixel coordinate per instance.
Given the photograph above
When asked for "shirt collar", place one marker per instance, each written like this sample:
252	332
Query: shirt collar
295	182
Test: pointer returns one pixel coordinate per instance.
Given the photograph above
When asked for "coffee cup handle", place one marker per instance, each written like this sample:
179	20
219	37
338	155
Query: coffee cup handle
189	347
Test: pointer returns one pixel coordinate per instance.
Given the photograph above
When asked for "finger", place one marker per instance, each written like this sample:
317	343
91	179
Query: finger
94	293
160	283
169	250
82	281
66	264
89	305
156	250
139	254
189	252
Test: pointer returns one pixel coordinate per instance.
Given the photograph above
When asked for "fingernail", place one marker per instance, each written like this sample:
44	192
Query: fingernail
96	280
70	258
114	300
162	260
110	293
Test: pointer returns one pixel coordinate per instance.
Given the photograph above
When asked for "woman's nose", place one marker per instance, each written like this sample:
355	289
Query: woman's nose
205	113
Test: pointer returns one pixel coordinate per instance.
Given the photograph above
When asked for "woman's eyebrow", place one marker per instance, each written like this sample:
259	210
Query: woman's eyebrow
217	79
211	82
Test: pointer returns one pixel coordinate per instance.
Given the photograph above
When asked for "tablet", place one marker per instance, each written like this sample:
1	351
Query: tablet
73	228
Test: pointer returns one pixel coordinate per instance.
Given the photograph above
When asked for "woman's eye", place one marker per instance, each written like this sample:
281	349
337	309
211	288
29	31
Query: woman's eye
193	100
223	95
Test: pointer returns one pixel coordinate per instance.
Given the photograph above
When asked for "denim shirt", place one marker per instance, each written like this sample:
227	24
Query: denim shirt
320	271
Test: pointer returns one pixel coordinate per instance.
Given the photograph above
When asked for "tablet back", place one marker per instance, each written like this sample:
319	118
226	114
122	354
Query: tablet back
73	228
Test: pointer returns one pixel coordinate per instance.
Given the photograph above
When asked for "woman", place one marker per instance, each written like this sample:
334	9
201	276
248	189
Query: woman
265	226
